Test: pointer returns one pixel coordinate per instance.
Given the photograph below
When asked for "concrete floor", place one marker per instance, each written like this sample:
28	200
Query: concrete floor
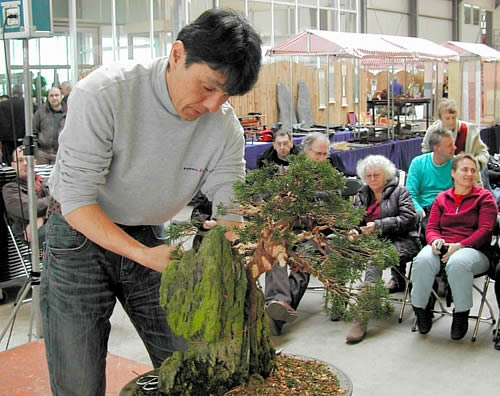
390	361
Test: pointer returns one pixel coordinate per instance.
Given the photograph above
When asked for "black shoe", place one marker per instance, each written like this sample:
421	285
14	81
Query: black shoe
460	325
424	320
497	344
395	285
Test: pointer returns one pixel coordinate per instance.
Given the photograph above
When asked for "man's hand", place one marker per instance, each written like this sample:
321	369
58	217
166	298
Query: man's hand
368	228
229	224
452	248
352	235
436	246
156	258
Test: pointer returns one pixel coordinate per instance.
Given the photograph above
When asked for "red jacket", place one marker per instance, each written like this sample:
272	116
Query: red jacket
471	223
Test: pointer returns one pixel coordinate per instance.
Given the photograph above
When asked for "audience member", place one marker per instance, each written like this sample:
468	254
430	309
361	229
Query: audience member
465	135
390	211
459	230
397	87
15	104
15	196
429	173
278	152
48	122
284	291
65	88
140	140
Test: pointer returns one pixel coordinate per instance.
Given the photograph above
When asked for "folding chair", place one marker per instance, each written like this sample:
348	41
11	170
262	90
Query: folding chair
18	272
481	290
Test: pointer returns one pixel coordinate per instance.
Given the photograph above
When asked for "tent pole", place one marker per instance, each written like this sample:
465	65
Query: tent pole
291	94
328	96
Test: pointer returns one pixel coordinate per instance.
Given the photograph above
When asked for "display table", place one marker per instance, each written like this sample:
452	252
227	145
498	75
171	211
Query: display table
399	103
400	152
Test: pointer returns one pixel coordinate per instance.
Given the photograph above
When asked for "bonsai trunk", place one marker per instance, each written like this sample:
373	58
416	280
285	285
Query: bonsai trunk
211	300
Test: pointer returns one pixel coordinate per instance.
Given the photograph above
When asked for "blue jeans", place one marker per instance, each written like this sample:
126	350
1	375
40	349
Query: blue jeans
460	270
79	287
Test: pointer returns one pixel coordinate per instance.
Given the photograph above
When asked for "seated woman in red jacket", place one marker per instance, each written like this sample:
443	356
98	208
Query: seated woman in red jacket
460	226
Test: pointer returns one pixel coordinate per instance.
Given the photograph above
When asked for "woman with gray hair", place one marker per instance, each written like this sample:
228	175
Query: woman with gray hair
390	210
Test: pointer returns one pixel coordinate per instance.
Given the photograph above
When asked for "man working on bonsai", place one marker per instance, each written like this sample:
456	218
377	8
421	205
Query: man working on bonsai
139	142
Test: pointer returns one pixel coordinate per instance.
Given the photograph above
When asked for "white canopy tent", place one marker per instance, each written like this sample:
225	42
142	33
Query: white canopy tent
479	75
370	50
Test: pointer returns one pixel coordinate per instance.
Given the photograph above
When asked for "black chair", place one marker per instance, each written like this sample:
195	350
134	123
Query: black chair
443	310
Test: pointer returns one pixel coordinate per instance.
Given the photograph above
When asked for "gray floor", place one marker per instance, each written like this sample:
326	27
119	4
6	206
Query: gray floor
390	361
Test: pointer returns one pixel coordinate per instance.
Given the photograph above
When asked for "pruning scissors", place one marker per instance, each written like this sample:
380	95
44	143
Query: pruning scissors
148	382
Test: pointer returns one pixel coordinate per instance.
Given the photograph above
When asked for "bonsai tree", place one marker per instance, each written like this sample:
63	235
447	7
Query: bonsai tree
296	218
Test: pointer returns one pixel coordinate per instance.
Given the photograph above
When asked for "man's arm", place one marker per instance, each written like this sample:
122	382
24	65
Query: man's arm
413	183
95	224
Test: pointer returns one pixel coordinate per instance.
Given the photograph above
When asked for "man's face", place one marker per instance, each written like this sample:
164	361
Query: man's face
449	120
446	149
318	152
55	98
195	89
21	170
282	145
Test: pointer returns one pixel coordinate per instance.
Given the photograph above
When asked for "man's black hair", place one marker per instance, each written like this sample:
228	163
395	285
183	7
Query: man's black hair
228	44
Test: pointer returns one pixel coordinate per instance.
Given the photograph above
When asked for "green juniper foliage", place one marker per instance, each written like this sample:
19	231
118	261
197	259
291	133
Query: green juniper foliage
307	198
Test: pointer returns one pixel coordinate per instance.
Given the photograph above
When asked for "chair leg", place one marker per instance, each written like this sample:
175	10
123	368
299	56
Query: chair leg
405	300
481	305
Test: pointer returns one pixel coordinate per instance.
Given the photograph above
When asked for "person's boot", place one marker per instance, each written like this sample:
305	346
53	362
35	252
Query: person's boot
357	332
459	325
424	319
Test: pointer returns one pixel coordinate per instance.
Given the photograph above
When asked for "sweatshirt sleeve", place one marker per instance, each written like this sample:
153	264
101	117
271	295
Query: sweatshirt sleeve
486	221
85	150
478	149
432	230
218	186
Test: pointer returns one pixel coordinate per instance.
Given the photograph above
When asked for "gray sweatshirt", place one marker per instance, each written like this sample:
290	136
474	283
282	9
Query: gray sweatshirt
125	148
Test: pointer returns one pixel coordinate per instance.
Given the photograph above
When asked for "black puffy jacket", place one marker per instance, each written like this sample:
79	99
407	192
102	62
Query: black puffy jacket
398	219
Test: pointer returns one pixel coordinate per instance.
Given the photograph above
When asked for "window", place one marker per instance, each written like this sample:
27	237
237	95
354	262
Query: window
328	20
348	22
467	14
475	16
307	18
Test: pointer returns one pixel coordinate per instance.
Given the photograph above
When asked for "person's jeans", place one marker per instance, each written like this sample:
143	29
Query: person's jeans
460	270
79	287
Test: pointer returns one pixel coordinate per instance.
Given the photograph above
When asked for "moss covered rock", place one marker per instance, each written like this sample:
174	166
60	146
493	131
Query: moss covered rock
212	302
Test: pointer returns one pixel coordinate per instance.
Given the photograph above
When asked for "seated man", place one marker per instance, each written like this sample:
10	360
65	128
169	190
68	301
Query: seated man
18	209
429	173
465	135
281	148
283	292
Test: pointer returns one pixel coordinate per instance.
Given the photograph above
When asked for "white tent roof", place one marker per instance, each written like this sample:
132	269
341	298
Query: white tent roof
356	45
422	48
486	53
368	47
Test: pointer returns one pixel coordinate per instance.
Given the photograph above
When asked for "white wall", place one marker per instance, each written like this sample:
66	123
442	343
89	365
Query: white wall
381	22
437	30
435	8
398	5
471	34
